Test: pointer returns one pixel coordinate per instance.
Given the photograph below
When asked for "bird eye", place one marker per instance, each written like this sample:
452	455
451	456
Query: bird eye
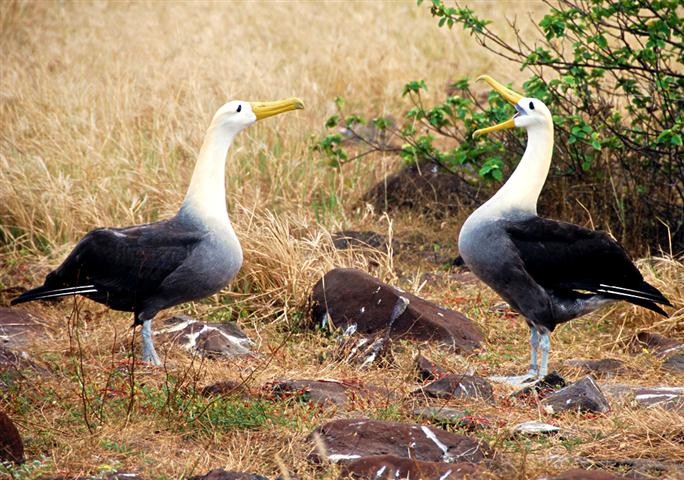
531	106
239	108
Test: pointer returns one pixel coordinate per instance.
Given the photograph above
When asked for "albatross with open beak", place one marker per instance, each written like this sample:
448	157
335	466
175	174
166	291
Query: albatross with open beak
548	271
146	268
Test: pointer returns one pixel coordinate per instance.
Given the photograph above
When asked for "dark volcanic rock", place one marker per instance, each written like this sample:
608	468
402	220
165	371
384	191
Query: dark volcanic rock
674	364
18	328
346	297
11	444
427	370
581	474
605	366
323	392
221	474
344	440
660	345
390	466
221	339
542	387
584	395
424	188
459	386
364	350
669	398
363	239
228	388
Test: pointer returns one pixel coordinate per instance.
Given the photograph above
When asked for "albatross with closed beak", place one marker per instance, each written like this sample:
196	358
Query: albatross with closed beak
548	271
146	268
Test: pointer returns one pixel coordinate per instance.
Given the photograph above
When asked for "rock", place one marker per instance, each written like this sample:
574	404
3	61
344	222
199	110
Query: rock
669	398
348	297
459	386
19	328
660	345
11	444
583	395
321	392
674	364
535	428
637	468
221	474
221	339
425	189
581	474
363	350
427	370
363	239
444	415
349	439
542	387
390	467
605	366
227	388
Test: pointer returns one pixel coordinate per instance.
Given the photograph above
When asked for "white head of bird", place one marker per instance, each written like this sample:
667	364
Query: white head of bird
206	195
521	192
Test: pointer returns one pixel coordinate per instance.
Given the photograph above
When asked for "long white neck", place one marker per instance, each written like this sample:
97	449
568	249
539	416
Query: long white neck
521	192
206	195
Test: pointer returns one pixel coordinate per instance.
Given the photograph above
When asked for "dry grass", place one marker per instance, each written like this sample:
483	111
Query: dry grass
103	108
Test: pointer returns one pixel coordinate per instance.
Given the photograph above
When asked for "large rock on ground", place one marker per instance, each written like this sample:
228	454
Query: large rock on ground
669	398
459	386
18	328
220	339
347	297
583	395
390	466
11	444
350	439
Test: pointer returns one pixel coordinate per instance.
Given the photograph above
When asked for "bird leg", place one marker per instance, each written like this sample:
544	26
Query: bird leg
148	353
534	344
545	348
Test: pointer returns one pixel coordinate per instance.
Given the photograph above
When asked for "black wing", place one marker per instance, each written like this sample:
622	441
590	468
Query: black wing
120	266
563	256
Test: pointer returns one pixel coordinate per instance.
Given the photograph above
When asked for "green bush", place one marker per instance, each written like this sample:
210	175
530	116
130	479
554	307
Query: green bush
610	71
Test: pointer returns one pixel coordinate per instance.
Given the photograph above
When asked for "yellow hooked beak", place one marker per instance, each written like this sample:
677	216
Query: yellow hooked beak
268	109
508	94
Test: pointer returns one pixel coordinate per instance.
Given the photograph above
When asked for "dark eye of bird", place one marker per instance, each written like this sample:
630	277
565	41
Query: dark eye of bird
531	106
240	108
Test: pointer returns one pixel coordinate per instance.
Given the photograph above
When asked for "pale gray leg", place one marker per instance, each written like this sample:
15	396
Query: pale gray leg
534	344
545	348
148	353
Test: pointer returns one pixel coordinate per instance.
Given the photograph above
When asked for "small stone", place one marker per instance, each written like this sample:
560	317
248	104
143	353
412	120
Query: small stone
226	388
660	345
581	474
321	392
583	395
11	444
390	467
535	428
459	386
221	474
542	387
427	370
446	415
221	339
364	350
350	439
674	364
605	366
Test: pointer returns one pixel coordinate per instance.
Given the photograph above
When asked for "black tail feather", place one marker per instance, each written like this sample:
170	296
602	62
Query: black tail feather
45	292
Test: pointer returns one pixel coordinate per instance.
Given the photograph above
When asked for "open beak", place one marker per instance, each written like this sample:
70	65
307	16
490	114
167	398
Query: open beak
268	109
508	94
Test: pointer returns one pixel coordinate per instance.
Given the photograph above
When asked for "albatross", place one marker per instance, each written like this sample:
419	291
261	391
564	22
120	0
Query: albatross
147	268
548	271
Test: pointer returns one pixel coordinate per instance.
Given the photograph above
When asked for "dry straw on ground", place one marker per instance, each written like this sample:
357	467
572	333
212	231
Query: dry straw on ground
103	107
